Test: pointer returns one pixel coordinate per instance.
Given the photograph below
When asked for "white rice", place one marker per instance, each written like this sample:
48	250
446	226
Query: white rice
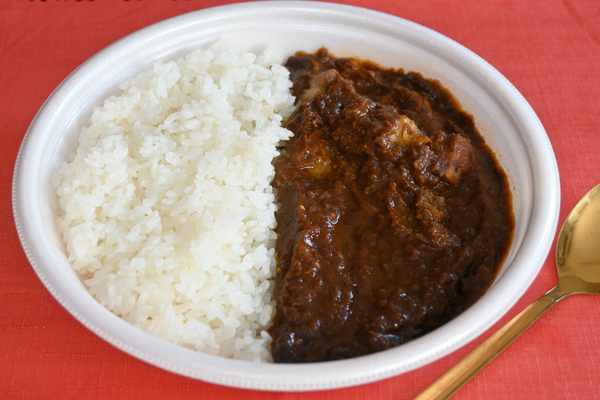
167	211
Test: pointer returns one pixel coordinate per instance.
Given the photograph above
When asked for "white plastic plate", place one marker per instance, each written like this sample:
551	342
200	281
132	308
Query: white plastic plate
502	115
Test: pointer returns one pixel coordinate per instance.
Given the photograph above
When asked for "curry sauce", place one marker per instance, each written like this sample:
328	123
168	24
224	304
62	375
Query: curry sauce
394	216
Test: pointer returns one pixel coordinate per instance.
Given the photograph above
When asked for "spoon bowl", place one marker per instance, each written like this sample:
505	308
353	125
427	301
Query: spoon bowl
578	250
578	267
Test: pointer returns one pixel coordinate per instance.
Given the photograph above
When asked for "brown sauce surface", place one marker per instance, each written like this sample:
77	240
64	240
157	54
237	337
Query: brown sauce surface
394	216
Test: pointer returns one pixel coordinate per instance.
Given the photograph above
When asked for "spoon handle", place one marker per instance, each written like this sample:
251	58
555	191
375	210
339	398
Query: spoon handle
446	385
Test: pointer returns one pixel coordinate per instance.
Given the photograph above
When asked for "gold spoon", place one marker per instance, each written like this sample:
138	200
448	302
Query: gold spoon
578	267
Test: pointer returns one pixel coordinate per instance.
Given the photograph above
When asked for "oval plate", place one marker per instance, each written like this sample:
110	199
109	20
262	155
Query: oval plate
504	118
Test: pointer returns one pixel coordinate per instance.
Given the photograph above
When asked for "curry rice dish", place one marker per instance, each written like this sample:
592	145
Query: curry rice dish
393	214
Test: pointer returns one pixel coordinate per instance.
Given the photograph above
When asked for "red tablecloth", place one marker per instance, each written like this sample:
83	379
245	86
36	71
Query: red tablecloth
549	49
